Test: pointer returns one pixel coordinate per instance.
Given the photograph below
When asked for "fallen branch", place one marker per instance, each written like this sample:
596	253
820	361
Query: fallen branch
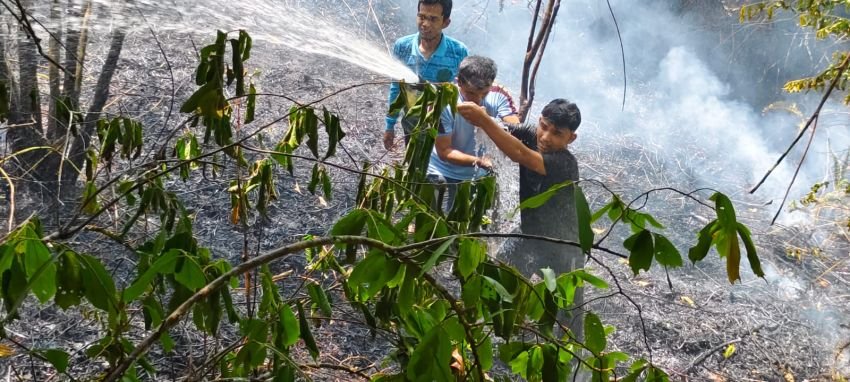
702	357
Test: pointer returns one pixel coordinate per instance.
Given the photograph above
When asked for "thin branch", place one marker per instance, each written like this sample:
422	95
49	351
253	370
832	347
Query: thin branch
796	171
631	301
11	223
622	50
280	253
702	357
24	22
811	120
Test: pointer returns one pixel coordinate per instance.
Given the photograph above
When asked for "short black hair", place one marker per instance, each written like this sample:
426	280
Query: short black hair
447	6
477	71
563	114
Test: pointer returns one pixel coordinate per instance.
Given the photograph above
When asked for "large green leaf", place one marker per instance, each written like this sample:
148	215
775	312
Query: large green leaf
704	239
306	334
317	294
99	286
163	265
543	197
190	274
585	232
472	253
666	253
57	358
594	333
290	325
752	254
431	357
641	247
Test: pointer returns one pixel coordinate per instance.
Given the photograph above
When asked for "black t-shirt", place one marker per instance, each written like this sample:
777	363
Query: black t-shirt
557	217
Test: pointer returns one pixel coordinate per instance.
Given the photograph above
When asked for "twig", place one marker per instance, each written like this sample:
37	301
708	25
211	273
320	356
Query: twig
796	171
622	50
28	30
814	116
702	357
11	223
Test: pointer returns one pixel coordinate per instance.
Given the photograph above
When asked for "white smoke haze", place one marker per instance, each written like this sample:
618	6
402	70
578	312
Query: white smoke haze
676	99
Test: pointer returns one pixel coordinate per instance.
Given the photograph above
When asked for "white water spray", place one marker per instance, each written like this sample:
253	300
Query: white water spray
266	20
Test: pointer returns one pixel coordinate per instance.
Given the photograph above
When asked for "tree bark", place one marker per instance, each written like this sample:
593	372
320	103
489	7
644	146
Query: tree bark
54	80
75	51
25	118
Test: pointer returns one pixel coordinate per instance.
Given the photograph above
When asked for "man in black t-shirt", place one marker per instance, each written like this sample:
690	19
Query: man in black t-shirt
545	161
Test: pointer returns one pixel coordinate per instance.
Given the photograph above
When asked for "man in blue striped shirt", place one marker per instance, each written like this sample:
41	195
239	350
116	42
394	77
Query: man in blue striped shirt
455	157
434	56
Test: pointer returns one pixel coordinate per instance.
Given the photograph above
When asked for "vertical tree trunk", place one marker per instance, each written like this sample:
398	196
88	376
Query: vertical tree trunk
25	118
75	51
54	80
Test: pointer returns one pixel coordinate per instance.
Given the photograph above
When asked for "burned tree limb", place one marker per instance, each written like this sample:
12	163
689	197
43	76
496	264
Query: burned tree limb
534	52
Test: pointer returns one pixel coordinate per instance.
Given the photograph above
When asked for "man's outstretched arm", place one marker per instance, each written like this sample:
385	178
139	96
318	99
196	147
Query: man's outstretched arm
512	147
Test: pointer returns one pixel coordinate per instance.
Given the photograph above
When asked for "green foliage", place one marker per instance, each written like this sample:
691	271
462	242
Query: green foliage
383	254
822	16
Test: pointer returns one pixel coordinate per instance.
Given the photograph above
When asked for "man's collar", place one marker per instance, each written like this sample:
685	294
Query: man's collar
441	48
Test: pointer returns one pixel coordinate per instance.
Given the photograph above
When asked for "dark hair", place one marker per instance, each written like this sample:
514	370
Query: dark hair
477	71
563	114
447	6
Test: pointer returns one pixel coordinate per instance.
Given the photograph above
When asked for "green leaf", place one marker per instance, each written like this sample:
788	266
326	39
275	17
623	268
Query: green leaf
666	253
543	197
725	210
305	334
472	253
500	289
752	254
317	294
430	359
641	248
163	265
372	274
594	334
585	232
190	274
99	286
57	358
89	199
485	353
252	104
550	279
435	256
314	179
704	239
334	131
290	325
69	281
350	224
590	279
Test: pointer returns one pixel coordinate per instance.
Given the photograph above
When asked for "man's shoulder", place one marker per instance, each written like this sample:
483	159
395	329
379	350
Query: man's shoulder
406	40
455	45
499	93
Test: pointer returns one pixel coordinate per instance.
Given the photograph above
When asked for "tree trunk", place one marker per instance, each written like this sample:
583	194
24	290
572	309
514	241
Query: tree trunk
76	156
75	52
25	119
53	129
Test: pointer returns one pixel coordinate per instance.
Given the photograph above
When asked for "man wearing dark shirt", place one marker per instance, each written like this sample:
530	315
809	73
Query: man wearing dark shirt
541	151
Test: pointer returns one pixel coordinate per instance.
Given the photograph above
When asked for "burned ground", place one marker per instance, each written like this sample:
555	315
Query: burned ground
784	327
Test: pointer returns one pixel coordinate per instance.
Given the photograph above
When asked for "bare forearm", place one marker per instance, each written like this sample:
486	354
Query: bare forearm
513	147
459	158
